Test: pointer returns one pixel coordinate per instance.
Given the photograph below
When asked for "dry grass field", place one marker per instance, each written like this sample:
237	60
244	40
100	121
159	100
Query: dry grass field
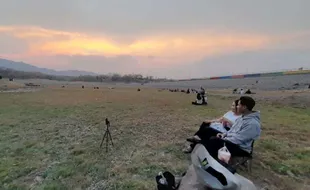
50	138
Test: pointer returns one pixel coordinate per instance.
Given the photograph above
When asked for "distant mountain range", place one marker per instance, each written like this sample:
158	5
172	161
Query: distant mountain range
20	66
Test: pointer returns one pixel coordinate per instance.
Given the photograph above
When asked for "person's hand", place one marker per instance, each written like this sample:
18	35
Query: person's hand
224	120
220	135
208	121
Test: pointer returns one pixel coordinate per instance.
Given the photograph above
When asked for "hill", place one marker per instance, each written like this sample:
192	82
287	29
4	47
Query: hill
20	66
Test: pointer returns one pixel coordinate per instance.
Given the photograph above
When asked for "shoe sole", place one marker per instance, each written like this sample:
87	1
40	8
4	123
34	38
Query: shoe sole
193	140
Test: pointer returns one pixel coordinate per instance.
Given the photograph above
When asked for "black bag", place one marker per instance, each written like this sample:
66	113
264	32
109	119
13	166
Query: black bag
169	179
198	96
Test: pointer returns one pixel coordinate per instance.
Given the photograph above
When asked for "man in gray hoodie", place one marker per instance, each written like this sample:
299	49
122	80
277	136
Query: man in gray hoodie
240	137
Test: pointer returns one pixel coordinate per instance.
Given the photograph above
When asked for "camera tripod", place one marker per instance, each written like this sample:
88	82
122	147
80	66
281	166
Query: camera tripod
107	135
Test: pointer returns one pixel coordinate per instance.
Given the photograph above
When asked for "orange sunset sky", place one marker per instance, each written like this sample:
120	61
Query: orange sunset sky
174	39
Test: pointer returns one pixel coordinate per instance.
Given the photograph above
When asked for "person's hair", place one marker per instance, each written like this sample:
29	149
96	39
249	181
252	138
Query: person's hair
236	103
248	102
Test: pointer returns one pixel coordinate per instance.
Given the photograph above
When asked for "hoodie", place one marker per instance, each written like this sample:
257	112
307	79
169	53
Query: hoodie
245	130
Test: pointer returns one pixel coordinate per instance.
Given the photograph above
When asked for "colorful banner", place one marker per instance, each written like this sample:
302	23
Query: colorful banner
297	72
252	75
225	77
237	76
262	75
271	74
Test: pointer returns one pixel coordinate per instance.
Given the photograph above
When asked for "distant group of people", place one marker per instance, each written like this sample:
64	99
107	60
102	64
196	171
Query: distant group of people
188	91
242	91
236	129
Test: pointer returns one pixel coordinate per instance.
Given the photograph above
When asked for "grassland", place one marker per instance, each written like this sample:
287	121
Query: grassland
50	139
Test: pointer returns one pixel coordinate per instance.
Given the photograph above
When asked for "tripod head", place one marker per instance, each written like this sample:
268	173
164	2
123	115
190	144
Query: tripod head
107	122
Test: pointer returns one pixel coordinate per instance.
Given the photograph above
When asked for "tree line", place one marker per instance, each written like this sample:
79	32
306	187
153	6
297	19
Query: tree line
129	78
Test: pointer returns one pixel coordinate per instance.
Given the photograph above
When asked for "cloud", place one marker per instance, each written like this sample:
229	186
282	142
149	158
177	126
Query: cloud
186	46
34	32
265	60
178	53
11	45
136	17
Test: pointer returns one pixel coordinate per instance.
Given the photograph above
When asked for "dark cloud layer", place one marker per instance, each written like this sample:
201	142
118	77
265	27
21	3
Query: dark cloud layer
146	16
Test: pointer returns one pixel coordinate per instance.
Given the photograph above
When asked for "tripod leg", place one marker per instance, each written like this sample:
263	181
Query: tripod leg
103	139
109	134
107	143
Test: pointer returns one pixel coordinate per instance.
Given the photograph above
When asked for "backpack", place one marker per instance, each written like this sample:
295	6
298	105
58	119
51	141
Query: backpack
165	181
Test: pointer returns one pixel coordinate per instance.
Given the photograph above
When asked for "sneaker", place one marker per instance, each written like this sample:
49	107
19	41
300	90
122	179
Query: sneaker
194	139
187	150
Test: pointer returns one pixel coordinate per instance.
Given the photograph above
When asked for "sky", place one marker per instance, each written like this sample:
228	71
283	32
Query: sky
162	38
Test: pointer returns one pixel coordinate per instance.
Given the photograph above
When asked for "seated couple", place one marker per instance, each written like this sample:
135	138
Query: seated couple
237	129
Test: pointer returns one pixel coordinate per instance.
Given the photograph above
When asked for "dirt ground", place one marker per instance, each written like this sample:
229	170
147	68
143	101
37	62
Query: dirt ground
292	98
50	136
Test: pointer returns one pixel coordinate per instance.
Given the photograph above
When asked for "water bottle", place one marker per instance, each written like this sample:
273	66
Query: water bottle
224	154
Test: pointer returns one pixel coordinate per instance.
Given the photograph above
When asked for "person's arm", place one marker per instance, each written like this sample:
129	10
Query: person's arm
248	132
214	120
219	120
227	121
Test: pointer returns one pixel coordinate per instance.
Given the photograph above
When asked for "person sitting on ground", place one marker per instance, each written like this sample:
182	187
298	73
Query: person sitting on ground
240	137
201	97
242	91
211	128
204	99
200	100
248	91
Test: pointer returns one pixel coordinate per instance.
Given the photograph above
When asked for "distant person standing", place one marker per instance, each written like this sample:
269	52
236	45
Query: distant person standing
203	95
202	91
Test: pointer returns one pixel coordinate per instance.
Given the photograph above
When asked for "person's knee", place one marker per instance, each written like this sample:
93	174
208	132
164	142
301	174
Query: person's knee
216	142
205	124
204	127
214	139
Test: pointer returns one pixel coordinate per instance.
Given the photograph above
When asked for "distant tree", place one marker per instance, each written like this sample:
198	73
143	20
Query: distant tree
116	77
9	73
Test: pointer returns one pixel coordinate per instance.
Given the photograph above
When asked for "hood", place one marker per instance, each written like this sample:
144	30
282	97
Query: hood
254	115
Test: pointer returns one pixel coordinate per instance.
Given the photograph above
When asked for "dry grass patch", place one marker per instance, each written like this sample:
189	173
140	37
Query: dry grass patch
50	139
